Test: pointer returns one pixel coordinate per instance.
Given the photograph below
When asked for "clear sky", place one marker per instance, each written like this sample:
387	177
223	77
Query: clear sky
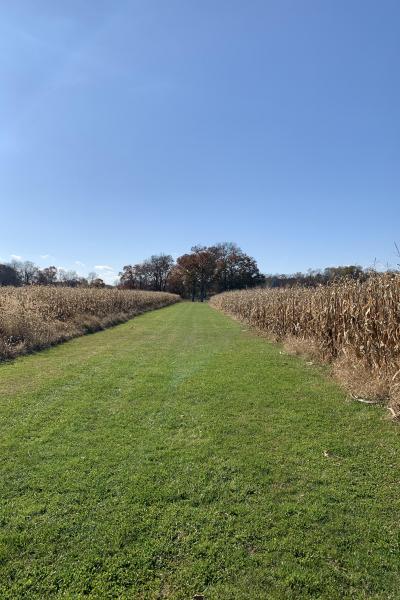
129	128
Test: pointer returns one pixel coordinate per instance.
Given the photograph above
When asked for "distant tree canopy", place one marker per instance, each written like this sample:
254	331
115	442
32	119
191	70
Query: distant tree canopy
8	275
201	272
19	273
234	268
314	278
151	274
47	276
214	269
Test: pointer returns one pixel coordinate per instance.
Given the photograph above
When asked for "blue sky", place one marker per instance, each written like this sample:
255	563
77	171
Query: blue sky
134	127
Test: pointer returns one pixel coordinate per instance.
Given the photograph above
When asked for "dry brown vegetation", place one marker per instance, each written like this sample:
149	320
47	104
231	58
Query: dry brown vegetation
36	317
353	325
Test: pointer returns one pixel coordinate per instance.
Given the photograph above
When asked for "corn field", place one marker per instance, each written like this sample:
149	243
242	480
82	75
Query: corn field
357	322
36	317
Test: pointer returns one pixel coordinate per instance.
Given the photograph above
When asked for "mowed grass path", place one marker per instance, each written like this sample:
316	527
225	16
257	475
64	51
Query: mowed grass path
179	454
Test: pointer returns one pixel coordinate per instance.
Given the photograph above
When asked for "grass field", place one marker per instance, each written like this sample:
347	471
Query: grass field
178	454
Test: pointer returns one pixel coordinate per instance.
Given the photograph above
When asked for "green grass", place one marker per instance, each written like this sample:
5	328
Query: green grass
179	454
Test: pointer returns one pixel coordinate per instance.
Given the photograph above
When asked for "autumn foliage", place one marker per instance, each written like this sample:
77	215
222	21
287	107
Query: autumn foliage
203	271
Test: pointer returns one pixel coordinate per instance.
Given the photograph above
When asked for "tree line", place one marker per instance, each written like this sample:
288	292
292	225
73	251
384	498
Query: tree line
316	277
21	273
198	274
203	271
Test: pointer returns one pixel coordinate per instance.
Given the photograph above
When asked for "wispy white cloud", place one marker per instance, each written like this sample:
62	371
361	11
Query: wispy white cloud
45	256
103	268
79	263
109	277
16	257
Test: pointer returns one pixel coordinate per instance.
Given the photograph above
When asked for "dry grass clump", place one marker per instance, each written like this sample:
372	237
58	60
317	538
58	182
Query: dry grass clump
36	317
354	325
